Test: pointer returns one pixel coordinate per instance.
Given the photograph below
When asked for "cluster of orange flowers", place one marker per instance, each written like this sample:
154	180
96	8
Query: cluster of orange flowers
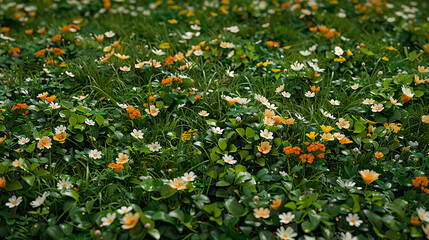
273	44
166	81
19	106
14	51
315	150
57	51
188	134
44	96
327	32
69	27
421	181
169	61
116	166
132	112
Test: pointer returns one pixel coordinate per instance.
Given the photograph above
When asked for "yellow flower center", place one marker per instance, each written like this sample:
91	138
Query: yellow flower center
14	202
287	219
285	235
352	220
109	220
64	185
95	155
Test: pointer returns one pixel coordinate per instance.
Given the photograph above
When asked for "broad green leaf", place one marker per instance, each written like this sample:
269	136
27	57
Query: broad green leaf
233	207
55	232
250	133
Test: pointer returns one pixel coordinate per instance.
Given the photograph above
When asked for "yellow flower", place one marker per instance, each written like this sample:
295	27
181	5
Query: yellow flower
130	220
311	135
391	48
378	155
261	212
326	129
172	21
164	45
287	47
385	59
349	53
265	147
276	204
369	176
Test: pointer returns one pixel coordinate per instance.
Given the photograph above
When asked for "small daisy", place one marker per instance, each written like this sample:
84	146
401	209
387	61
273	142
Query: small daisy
229	159
296	66
69	74
189	177
89	122
64	184
54	105
23	140
60	129
338	51
154	147
348	236
286	217
95	154
39	200
18	162
266	134
355	86
124	210
261	212
137	133
334	102
423	215
198	52
368	101
108	219
233	29
204	113
310	94
14	201
286	234
178	183
217	130
285	94
377	107
354	220
109	34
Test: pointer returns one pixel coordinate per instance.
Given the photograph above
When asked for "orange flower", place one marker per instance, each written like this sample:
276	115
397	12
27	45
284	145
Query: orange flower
58	51
169	61
314	89
369	176
116	166
276	204
116	45
2	182
167	81
44	142
2	139
60	137
14	51
51	98
42	30
29	31
378	155
265	147
313	29
130	220
5	30
345	140
40	53
420	181
269	113
307	158
414	220
56	38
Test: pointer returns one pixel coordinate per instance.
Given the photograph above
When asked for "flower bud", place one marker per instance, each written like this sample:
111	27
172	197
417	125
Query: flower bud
147	226
256	199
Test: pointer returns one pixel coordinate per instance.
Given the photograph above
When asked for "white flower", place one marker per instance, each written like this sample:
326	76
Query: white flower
305	53
54	105
69	74
95	154
286	234
377	107
310	94
229	159
23	140
286	217
60	129
334	102
355	86
89	122
158	52
123	106
198	52
423	215
18	162
285	94
327	114
189	177
296	66
338	51
108	219
354	220
64	184
195	27
109	34
230	73
137	133
283	173
14	201
154	147
348	236
407	92
217	130
204	113
233	29
124	209
39	200
243	101
266	134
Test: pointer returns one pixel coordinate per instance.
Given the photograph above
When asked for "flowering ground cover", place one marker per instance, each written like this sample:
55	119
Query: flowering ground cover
239	119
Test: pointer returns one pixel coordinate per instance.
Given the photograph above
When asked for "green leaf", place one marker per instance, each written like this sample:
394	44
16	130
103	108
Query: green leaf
167	191
250	133
266	235
356	205
223	145
359	127
240	131
66	228
233	207
73	119
71	193
55	232
222	183
99	119
200	200
154	233
374	219
29	179
13	185
31	147
366	52
291	206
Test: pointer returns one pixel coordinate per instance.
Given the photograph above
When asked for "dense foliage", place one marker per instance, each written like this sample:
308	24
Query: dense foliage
218	119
